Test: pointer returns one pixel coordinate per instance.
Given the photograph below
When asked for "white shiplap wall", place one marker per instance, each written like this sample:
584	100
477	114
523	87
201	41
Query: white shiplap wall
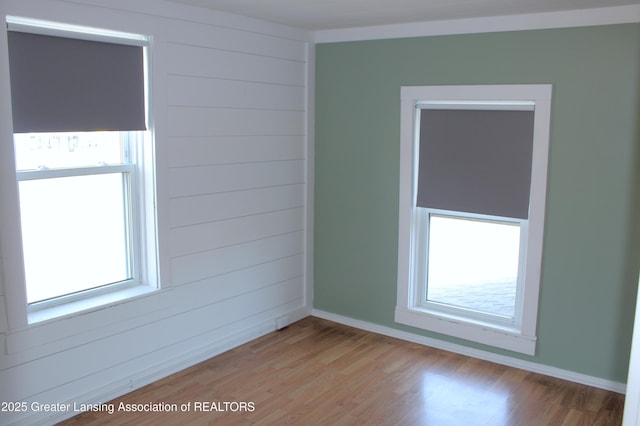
3	305
230	102
4	175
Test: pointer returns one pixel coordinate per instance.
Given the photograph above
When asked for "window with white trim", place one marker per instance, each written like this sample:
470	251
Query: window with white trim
84	165
472	196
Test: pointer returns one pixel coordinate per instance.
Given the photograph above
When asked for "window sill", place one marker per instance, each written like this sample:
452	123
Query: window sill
94	302
496	335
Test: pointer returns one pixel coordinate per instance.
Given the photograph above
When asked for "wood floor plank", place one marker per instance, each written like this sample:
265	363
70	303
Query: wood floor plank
316	372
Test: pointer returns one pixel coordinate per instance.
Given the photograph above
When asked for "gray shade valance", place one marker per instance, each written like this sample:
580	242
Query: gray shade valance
61	84
476	161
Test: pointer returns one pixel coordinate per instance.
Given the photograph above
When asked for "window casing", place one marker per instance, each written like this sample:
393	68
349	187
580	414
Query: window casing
87	196
521	217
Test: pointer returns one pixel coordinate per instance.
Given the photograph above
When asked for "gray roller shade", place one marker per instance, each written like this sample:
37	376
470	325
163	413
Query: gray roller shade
61	84
476	161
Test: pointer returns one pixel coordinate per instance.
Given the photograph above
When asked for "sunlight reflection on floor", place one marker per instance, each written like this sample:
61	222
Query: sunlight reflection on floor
467	403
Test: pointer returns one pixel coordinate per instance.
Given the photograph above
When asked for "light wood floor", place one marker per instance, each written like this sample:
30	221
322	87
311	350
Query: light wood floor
316	372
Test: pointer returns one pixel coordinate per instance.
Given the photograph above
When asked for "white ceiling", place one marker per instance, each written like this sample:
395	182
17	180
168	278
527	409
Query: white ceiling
332	14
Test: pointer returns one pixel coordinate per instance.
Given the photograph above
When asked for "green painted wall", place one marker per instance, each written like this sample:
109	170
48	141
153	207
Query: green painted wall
592	244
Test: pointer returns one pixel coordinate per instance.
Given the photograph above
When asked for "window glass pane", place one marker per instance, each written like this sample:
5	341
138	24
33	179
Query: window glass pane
74	232
473	264
65	150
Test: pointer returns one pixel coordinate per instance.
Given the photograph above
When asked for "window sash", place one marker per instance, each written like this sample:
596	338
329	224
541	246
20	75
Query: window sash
131	254
131	212
25	175
422	220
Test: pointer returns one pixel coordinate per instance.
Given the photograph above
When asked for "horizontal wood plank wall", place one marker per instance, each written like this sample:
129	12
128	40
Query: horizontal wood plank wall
4	326
229	96
3	306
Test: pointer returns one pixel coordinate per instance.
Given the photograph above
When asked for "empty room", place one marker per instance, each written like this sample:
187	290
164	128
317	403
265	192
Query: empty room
302	212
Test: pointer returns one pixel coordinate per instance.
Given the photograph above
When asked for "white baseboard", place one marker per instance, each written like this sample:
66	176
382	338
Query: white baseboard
475	353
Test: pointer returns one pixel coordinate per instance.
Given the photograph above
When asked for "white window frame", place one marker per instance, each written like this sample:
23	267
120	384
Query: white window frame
142	199
411	309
